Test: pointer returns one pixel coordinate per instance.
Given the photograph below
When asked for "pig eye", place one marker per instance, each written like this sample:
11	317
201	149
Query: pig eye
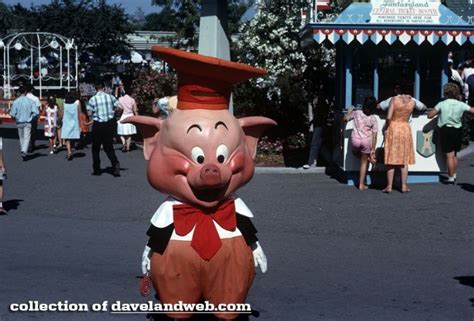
222	153
198	154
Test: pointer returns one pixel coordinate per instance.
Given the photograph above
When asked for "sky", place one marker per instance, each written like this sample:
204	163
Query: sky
129	5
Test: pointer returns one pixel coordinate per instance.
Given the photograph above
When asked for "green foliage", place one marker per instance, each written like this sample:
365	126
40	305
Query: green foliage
163	21
148	85
95	25
296	141
183	18
6	19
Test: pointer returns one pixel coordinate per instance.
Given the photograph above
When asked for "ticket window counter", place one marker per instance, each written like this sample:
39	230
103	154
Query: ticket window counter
430	162
377	70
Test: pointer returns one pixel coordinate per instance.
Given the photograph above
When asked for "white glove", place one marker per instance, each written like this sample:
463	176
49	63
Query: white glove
146	260
259	257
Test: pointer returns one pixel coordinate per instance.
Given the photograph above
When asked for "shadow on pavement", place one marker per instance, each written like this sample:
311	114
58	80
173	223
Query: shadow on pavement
35	155
11	204
467	281
78	155
467	187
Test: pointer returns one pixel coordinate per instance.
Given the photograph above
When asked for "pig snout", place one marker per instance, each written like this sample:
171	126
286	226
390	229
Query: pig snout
210	175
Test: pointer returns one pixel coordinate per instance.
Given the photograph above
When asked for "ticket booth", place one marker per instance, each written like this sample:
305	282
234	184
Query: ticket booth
386	43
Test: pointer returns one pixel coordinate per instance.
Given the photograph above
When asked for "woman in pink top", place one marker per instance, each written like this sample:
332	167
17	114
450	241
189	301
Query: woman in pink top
364	136
129	107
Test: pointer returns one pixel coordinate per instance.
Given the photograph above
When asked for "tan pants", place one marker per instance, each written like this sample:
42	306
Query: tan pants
180	274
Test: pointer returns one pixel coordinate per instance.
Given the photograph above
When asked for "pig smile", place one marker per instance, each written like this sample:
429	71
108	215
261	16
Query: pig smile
208	194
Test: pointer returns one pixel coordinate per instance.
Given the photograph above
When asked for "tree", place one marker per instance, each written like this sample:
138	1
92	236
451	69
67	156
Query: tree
271	40
162	21
183	17
6	19
95	26
138	19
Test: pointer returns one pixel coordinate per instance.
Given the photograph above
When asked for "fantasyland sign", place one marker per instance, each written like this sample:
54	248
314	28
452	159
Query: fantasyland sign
405	11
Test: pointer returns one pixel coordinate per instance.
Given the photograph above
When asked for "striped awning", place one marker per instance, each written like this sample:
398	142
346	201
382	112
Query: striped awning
390	36
356	25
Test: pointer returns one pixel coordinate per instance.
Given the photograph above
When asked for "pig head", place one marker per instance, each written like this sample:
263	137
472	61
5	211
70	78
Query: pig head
200	157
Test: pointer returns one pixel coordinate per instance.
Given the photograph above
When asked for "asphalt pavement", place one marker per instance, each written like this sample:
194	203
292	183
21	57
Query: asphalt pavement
334	253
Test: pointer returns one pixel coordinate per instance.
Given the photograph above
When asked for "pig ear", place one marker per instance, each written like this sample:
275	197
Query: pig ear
253	128
148	127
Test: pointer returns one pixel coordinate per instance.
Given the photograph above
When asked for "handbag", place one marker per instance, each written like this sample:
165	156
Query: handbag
380	154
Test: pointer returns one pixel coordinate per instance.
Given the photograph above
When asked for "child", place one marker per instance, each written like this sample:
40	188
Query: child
84	124
3	175
364	136
51	122
450	112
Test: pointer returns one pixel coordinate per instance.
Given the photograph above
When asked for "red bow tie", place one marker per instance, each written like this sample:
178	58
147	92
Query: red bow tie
206	241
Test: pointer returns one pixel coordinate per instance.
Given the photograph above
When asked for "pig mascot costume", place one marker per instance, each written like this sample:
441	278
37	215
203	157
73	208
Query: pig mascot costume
202	243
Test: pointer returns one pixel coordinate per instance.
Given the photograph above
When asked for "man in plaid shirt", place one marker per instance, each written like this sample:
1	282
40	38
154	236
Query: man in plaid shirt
101	109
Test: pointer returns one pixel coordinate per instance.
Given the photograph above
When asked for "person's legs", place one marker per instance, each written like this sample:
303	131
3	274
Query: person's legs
24	131
96	142
108	143
51	144
60	141
21	137
363	171
315	146
404	175
34	127
27	133
450	163
2	210
390	174
69	149
455	164
128	141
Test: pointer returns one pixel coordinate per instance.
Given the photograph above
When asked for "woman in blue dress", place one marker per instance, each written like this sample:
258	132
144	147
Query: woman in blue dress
71	130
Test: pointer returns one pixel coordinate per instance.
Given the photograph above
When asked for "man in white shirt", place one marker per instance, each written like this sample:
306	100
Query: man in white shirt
34	121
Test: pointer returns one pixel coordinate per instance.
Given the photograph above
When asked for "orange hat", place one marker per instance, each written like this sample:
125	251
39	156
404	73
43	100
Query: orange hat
205	82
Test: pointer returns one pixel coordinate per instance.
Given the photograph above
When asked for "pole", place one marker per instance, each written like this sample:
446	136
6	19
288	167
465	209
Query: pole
32	66
77	70
61	67
39	68
68	70
213	37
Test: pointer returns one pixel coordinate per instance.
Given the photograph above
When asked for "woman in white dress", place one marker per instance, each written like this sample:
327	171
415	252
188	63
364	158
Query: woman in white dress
71	130
51	122
129	107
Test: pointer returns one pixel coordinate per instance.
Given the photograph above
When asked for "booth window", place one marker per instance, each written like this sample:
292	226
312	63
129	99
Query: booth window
431	64
362	73
396	65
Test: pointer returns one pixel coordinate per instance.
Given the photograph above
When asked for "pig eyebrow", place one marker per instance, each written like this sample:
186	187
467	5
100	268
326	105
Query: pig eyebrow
194	126
221	123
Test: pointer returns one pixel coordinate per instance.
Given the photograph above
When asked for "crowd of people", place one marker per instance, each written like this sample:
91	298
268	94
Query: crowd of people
72	121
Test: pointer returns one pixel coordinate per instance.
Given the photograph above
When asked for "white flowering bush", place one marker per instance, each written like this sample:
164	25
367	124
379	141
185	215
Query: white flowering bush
271	40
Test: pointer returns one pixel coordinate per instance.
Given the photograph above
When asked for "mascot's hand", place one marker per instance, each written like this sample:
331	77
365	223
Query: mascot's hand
146	260
259	257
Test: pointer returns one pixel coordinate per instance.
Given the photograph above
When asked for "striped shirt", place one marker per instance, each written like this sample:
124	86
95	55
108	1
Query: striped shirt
102	106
